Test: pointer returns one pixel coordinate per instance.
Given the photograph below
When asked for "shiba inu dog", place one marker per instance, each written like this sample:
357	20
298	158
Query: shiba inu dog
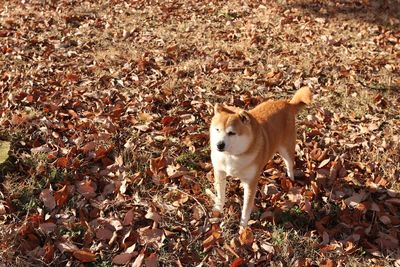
242	142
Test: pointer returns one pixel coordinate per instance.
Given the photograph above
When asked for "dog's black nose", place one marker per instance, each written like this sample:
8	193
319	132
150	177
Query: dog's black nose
221	146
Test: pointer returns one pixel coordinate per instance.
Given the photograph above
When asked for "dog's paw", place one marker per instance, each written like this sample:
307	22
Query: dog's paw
218	208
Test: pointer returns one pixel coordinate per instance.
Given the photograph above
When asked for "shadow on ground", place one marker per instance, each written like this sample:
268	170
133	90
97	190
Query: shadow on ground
385	13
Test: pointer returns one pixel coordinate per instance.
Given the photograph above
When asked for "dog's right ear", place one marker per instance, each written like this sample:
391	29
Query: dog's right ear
244	116
218	108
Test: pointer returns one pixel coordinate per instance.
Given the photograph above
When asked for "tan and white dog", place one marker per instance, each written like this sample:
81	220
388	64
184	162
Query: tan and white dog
242	142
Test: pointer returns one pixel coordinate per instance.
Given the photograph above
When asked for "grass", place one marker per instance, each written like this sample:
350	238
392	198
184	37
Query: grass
188	159
24	195
191	160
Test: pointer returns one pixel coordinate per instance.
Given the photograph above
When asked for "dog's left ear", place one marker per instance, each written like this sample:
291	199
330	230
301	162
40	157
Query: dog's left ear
218	108
244	116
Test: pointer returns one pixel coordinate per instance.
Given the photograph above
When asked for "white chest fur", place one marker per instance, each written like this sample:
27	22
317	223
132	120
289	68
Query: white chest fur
241	166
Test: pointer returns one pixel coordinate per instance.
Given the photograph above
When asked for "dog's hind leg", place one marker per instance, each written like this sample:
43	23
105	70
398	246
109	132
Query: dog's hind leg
288	157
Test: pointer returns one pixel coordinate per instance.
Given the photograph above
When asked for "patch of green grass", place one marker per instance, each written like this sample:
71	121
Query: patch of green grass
52	176
101	263
278	236
56	175
295	216
292	244
25	200
189	160
75	231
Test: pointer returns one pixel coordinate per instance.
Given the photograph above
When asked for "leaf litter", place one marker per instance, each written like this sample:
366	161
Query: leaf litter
107	106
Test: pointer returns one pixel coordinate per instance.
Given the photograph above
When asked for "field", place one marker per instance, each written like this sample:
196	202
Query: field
106	105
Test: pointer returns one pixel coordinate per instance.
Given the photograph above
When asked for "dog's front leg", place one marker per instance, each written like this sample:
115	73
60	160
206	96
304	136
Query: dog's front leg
219	185
250	189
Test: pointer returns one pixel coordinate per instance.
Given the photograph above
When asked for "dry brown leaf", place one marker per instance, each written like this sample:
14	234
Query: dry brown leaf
122	259
152	236
2	209
104	234
153	215
151	260
131	249
327	263
246	237
128	218
86	188
238	262
62	162
269	248
355	199
66	246
324	163
139	260
49	250
385	219
329	248
209	242
48	227
61	196
48	199
84	256
116	224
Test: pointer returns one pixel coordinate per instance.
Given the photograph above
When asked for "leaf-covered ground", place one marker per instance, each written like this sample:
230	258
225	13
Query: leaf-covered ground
107	106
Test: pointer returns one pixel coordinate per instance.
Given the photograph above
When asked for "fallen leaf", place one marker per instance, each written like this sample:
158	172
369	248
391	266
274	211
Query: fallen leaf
238	262
246	237
86	188
2	209
116	224
49	250
153	215
153	237
66	246
151	260
48	227
84	256
122	259
324	163
128	218
4	148
61	196
104	234
139	260
62	162
385	219
48	199
355	199
327	263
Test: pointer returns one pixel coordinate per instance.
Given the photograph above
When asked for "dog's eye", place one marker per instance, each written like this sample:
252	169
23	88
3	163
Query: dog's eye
231	133
217	129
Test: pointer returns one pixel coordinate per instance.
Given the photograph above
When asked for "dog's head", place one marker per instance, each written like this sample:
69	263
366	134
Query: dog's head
231	130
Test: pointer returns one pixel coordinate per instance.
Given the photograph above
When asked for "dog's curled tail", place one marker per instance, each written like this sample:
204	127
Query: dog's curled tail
302	97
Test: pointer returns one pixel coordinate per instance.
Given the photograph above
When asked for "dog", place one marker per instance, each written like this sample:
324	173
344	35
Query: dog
242	142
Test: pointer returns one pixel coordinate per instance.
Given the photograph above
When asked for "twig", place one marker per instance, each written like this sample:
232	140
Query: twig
198	202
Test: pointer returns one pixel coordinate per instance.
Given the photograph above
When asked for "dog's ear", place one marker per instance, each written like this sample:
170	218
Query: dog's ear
218	108
244	116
